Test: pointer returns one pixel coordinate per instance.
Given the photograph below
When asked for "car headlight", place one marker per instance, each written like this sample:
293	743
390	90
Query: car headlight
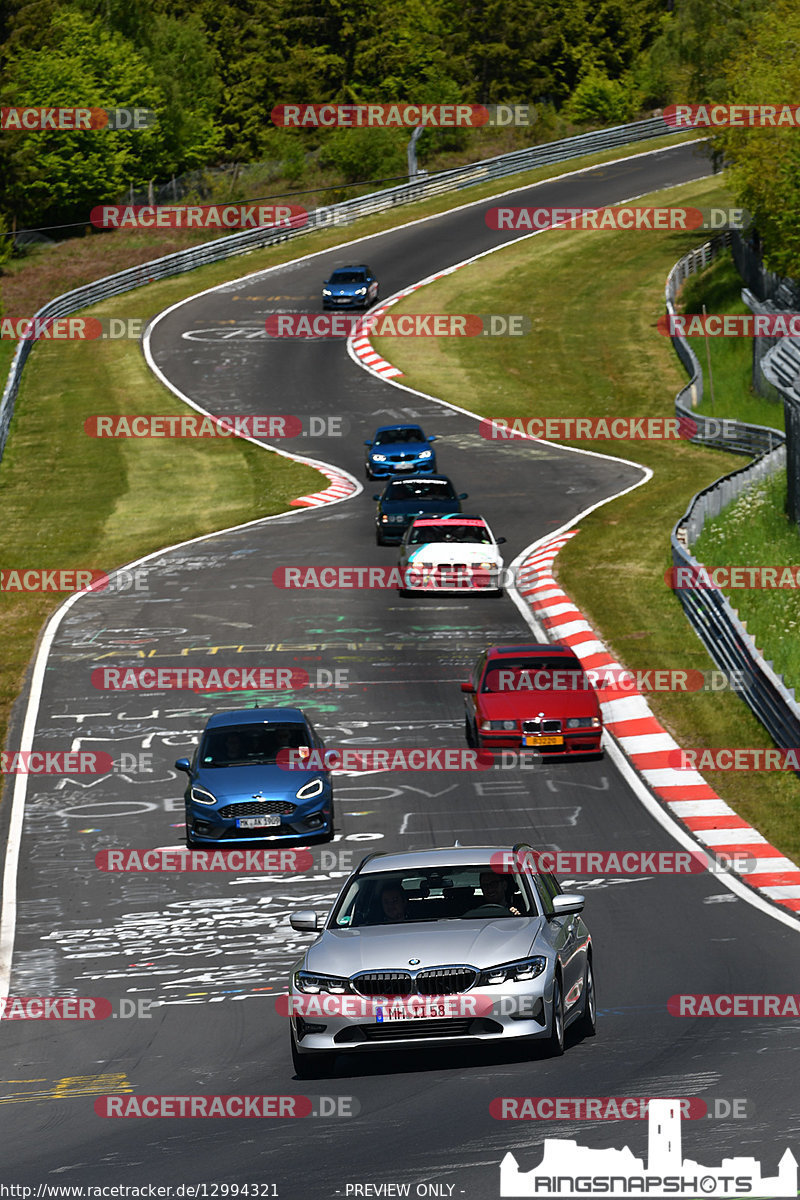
361	291
378	457
326	291
583	723
498	724
514	972
425	453
308	791
202	796
485	566
307	981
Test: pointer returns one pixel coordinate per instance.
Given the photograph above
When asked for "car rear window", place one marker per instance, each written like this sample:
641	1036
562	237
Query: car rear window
469	534
420	489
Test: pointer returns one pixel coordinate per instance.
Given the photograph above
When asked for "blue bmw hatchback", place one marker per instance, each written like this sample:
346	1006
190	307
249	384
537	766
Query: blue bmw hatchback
350	287
237	791
400	449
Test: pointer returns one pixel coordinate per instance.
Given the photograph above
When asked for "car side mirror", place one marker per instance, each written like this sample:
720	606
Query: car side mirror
467	687
304	920
434	437
463	496
182	764
376	496
367	443
500	541
569	902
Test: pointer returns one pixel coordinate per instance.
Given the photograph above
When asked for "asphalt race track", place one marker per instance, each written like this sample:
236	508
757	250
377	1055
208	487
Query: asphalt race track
212	951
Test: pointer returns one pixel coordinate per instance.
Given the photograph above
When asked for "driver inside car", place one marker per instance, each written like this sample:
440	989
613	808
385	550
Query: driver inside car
496	889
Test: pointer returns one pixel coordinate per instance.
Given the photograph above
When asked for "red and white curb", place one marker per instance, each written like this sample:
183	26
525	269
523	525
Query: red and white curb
362	347
340	487
646	743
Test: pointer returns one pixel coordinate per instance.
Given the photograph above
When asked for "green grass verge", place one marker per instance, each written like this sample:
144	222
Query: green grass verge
68	501
727	390
755	530
594	351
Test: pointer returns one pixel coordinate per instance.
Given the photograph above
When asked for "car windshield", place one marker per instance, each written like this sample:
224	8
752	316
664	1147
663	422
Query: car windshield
238	745
432	894
348	277
420	489
423	534
411	433
508	675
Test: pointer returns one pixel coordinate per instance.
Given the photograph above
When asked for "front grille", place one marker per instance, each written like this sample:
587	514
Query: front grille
258	808
538	726
445	981
433	981
384	983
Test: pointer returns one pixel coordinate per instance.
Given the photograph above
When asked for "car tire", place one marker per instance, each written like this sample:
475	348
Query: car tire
379	541
468	734
310	1066
586	1025
497	594
555	1040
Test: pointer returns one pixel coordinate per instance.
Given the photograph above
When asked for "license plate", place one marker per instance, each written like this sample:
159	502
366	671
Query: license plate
267	821
422	1012
534	739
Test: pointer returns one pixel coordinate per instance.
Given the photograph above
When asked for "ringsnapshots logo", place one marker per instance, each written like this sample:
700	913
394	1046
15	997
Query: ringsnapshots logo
71	120
504	219
402	115
402	325
197	216
569	1169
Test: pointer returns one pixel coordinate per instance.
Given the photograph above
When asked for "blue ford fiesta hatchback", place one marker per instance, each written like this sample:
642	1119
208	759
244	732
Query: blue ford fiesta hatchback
238	792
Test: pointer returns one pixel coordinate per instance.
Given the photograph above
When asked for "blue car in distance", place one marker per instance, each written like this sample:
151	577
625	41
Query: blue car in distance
237	791
350	287
404	499
399	449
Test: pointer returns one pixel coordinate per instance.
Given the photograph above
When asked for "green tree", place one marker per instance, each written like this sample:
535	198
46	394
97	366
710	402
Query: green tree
765	171
602	100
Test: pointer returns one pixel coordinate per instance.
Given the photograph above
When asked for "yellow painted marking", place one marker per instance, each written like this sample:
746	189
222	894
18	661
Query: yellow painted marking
70	1086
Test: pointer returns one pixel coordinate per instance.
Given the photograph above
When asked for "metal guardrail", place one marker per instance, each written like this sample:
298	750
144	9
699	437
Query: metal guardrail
708	610
717	624
738	437
338	214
